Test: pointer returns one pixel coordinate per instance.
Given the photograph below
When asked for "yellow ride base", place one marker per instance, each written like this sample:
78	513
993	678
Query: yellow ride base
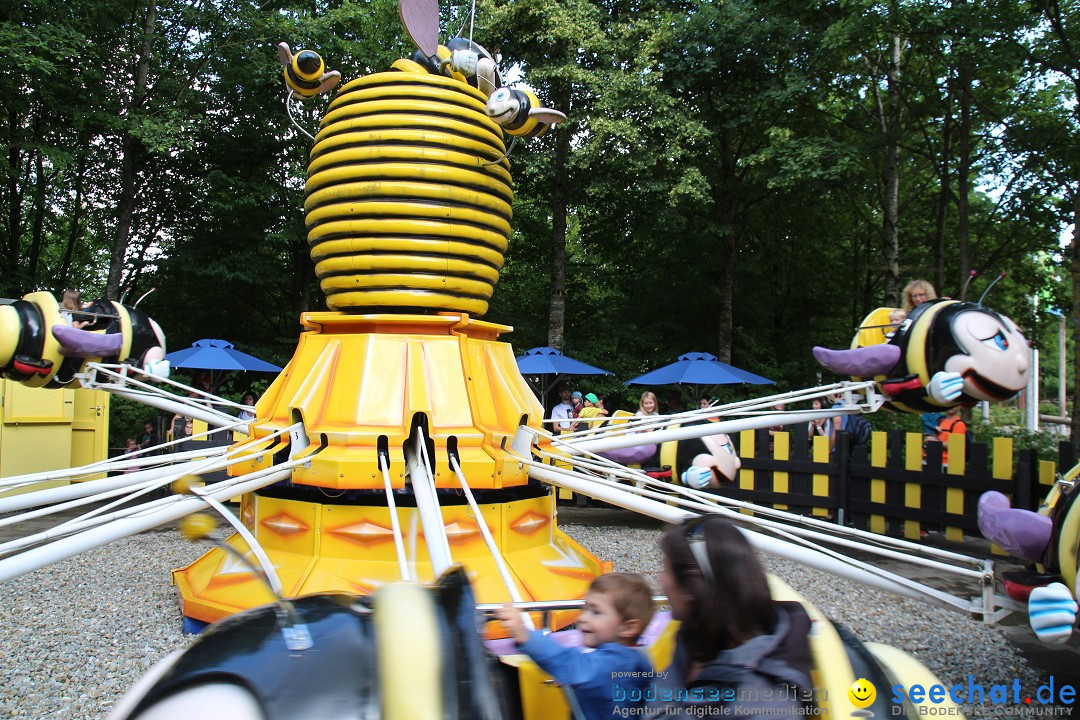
361	383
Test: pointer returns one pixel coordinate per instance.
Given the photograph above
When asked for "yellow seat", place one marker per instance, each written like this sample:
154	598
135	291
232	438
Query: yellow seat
873	329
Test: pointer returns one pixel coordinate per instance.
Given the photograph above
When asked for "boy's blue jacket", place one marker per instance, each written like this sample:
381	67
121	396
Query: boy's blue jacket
589	673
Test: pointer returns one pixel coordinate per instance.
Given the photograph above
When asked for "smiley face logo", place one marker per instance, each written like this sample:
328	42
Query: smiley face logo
862	693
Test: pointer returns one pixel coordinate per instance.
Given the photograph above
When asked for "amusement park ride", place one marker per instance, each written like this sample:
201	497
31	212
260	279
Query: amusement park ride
398	464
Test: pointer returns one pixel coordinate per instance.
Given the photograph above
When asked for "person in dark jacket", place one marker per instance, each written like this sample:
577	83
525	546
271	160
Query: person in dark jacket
737	650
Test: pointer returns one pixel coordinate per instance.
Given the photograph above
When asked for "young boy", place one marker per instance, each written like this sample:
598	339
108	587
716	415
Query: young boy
617	609
950	424
896	319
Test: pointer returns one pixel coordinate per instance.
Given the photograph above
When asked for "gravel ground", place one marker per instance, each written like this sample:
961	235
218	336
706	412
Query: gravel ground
76	635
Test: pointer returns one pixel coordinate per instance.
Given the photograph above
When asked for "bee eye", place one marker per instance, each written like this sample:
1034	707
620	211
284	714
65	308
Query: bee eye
997	342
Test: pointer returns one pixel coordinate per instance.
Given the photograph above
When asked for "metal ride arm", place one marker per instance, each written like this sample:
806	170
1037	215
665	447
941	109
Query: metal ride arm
708	502
122	526
427	504
588	478
399	543
496	555
122	380
750	414
814	557
217	458
98	528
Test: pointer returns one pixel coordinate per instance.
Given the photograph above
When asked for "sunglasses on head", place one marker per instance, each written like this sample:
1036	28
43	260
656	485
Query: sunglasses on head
695	537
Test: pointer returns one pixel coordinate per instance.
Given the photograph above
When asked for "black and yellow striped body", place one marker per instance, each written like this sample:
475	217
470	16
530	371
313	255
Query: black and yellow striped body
408	195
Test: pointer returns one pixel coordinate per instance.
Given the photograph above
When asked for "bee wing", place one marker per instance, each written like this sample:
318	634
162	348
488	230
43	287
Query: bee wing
284	53
547	115
329	81
421	21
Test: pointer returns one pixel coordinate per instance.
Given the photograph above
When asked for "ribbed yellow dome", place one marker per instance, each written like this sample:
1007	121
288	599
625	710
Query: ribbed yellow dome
404	210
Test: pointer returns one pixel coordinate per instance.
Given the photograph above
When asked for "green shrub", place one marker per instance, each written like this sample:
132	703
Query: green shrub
126	419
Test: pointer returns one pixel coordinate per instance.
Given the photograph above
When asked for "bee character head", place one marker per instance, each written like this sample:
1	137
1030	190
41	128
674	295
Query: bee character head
983	346
308	65
305	72
518	112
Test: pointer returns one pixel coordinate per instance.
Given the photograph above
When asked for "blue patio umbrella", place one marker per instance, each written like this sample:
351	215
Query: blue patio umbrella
547	363
217	355
699	369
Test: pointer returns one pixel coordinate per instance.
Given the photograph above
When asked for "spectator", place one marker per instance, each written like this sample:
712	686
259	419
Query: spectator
249	399
822	427
648	404
149	436
952	424
780	408
674	403
930	422
201	381
591	410
576	403
131	447
563	412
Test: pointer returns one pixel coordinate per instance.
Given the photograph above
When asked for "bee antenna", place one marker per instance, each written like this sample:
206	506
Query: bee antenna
967	283
992	284
480	79
143	296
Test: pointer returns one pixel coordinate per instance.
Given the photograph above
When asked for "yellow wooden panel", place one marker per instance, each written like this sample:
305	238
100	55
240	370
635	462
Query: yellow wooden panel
954	505
780	480
954	497
1002	468
31	405
746	450
90	428
29	448
913	458
879	446
820	481
1047	472
957	449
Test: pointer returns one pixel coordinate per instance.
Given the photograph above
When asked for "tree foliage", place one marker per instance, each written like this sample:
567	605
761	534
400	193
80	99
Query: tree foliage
747	177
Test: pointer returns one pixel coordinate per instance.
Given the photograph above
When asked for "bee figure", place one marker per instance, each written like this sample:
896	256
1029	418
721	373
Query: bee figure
38	349
945	353
305	72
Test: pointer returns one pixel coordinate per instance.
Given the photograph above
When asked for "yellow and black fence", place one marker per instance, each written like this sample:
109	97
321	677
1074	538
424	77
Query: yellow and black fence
893	486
